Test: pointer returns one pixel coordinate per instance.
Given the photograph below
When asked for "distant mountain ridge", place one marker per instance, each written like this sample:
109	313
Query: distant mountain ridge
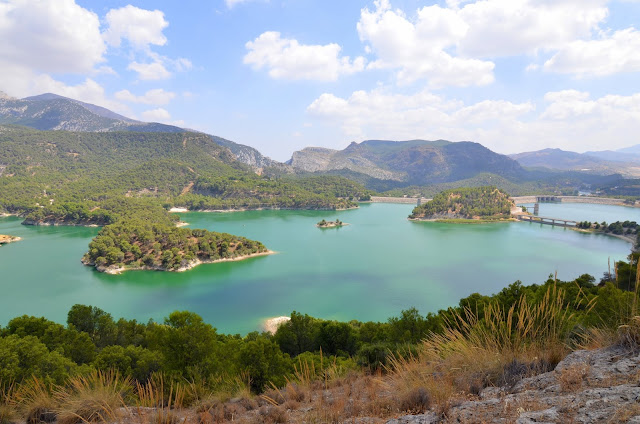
412	162
54	112
622	161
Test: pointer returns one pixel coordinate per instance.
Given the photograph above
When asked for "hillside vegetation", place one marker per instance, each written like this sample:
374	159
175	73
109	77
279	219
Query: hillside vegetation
132	179
466	203
310	370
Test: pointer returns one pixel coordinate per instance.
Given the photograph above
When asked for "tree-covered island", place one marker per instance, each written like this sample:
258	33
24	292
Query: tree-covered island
331	224
137	246
486	203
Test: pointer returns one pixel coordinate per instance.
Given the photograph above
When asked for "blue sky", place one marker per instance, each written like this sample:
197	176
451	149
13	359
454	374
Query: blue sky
514	75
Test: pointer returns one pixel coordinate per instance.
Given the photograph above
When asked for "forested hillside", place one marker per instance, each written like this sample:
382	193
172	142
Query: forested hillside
47	169
128	181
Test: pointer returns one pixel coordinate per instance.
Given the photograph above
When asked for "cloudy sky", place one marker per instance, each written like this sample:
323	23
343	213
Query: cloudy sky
279	75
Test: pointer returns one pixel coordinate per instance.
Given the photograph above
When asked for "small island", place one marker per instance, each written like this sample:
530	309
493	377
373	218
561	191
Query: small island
466	205
331	224
4	239
139	246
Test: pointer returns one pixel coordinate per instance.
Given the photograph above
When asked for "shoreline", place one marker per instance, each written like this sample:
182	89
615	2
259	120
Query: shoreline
119	270
5	239
59	224
185	210
629	239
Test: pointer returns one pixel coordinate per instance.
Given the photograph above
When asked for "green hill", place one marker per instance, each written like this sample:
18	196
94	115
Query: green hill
466	203
127	181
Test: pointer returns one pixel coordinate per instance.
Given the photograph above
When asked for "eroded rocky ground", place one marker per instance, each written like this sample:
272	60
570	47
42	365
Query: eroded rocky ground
599	386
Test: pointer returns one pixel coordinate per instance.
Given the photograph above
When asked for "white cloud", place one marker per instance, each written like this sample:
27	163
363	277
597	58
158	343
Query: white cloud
419	49
156	115
139	26
49	36
231	3
143	29
157	96
449	45
617	53
288	59
512	27
569	119
181	64
150	71
88	91
40	37
161	115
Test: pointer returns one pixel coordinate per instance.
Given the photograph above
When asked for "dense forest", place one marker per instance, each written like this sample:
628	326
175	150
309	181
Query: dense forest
467	203
39	169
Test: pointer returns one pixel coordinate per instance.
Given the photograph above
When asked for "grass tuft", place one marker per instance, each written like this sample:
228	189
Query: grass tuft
500	347
34	400
92	398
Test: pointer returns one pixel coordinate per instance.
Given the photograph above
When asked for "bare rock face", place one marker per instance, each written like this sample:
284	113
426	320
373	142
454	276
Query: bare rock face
417	162
586	387
5	96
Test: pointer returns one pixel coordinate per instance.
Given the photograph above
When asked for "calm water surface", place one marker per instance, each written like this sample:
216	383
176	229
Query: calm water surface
369	270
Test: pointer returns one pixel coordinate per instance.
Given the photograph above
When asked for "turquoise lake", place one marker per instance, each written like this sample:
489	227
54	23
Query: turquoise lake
370	270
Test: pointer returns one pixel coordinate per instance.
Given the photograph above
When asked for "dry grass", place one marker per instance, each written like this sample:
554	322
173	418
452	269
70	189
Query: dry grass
573	378
272	415
165	399
92	398
502	348
7	411
624	413
35	402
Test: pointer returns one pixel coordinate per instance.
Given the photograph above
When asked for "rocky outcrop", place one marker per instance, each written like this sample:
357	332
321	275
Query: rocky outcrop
586	387
4	239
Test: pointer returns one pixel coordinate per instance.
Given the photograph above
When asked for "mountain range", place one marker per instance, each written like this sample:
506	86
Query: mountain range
379	164
53	112
413	162
624	161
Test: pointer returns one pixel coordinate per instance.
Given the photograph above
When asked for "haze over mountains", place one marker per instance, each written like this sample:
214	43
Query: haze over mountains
379	164
624	161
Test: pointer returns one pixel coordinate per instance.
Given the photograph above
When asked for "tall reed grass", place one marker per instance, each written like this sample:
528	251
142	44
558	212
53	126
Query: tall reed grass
503	346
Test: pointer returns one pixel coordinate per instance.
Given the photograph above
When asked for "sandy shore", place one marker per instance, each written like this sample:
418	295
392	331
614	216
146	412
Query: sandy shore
4	239
271	325
177	210
181	224
119	270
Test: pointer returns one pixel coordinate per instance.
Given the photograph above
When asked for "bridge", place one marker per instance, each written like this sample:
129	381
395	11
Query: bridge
548	221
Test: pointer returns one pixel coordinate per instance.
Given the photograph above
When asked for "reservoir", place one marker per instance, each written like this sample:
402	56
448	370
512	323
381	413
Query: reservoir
371	269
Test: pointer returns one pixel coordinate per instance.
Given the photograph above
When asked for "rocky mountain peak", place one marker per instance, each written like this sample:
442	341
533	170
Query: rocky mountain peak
5	96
